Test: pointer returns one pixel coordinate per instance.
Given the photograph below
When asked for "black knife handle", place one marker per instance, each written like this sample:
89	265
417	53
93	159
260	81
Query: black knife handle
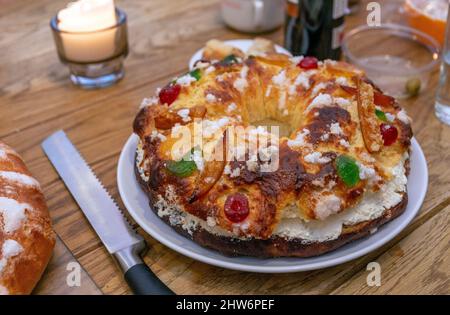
143	281
139	277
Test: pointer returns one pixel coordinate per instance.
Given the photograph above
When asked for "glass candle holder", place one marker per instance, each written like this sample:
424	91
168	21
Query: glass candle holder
95	58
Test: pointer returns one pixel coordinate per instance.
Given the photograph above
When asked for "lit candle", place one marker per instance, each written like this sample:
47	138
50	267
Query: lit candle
91	39
87	30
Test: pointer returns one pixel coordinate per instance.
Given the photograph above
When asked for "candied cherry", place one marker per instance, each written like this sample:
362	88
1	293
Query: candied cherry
308	63
236	207
169	93
389	134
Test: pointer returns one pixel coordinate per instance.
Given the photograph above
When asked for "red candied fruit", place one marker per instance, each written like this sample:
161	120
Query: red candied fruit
389	134
350	90
308	63
378	98
169	93
236	208
383	100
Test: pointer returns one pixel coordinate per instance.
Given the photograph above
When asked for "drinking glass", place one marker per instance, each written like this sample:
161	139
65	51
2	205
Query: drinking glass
442	105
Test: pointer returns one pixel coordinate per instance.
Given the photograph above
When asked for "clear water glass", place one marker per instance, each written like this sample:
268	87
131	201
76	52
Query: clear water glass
442	105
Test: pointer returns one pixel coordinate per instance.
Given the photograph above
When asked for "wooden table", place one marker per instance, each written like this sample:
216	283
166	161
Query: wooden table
37	98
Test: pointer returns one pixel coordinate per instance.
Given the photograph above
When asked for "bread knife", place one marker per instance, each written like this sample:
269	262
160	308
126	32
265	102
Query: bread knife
119	238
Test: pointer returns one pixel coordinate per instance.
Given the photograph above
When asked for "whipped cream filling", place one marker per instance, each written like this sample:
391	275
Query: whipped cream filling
371	207
291	225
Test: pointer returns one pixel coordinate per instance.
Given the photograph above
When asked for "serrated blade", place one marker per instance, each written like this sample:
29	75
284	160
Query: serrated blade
94	200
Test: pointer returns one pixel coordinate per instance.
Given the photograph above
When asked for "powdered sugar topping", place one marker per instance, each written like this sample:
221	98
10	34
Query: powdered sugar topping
241	83
403	117
316	158
366	172
19	178
296	60
326	206
149	102
184	114
342	81
342	102
344	143
320	101
211	98
13	213
299	140
10	249
186	80
335	129
232	107
198	160
156	135
210	69
303	79
280	78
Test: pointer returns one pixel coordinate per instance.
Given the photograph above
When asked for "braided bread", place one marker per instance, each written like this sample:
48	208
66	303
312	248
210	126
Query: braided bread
26	235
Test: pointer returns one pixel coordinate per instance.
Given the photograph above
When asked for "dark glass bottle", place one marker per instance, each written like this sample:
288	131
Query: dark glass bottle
315	27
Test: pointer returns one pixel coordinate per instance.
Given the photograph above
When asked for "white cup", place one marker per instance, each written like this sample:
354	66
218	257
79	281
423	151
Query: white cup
253	16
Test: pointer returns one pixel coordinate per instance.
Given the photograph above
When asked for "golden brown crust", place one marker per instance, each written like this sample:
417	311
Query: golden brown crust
261	46
26	244
217	50
277	246
369	122
329	110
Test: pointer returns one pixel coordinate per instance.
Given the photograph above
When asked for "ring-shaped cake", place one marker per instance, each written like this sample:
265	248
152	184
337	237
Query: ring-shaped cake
342	157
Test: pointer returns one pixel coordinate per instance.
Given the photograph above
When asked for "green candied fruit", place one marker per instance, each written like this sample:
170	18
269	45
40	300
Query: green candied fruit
347	170
230	59
184	167
181	168
380	114
413	86
197	74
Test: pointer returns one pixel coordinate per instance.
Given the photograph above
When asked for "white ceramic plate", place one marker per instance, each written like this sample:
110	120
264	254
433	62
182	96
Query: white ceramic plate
242	44
138	206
